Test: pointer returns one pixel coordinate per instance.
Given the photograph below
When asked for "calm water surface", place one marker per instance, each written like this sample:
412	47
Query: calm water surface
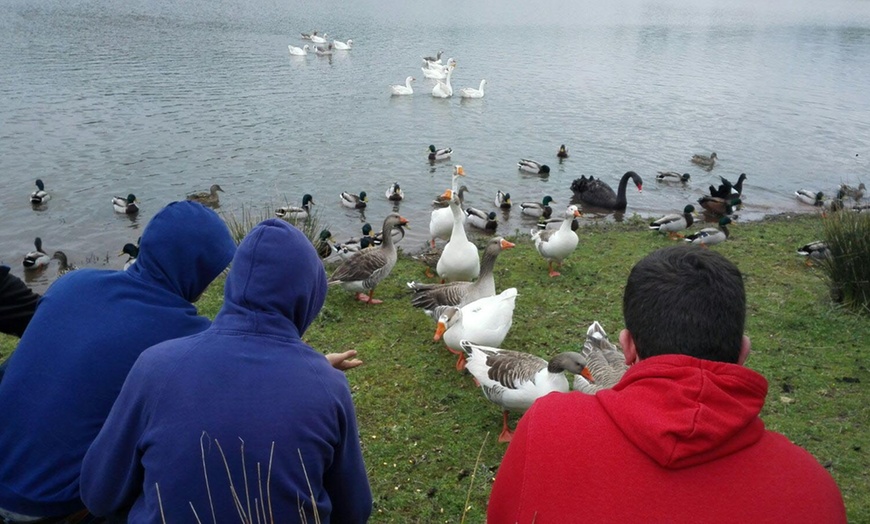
164	98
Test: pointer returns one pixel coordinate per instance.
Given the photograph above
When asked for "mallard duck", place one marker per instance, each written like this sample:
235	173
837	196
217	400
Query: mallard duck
719	206
530	166
354	201
125	205
210	199
342	46
459	260
556	244
812	198
132	252
430	296
298	51
325	244
707	162
64	266
857	193
736	189
444	89
674	223
294	212
710	236
539	210
481	219
40	196
513	380
470	92
556	223
672	176
503	200
394	192
37	258
597	193
364	270
442	202
399	89
605	363
439	154
817	251
563	152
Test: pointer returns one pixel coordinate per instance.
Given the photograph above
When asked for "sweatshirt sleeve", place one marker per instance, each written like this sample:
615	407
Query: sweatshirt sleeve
112	472
505	500
346	481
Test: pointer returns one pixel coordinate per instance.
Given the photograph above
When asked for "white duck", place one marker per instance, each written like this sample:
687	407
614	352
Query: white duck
441	219
459	260
398	89
470	92
443	89
318	39
342	46
513	380
485	321
556	244
298	51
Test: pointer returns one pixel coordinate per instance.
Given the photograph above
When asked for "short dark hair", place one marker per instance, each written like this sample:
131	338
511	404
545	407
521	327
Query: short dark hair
686	300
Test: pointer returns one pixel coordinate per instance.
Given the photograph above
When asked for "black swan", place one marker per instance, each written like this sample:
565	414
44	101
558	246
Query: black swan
597	193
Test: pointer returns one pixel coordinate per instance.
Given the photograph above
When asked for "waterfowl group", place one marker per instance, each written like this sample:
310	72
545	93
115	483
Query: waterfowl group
127	205
596	193
210	198
856	193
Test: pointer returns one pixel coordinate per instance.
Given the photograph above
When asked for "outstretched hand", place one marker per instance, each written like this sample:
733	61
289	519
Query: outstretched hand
344	361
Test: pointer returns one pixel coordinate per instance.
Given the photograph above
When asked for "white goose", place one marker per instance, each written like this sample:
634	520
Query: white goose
459	260
513	380
317	39
443	89
342	46
298	51
398	89
556	244
470	92
441	219
485	321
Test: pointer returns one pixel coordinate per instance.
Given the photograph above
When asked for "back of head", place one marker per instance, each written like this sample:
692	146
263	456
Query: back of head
686	300
183	248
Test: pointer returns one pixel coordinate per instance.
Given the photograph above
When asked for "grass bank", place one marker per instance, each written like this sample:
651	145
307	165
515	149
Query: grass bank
423	425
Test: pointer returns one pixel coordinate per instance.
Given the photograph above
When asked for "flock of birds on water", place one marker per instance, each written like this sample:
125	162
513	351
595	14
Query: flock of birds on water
470	317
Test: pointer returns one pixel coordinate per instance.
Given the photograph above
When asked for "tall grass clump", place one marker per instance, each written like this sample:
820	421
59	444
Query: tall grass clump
250	215
847	235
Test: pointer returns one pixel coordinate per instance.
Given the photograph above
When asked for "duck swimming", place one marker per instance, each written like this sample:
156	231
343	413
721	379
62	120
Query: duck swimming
563	152
291	212
597	193
707	162
439	154
398	89
672	176
810	197
394	193
534	209
502	200
64	266
353	201
481	219
37	258
40	196
530	166
209	199
125	205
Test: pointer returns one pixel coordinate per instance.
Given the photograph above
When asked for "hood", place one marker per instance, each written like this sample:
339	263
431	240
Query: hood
183	248
277	284
683	411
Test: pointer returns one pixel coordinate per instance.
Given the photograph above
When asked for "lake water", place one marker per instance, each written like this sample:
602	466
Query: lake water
161	99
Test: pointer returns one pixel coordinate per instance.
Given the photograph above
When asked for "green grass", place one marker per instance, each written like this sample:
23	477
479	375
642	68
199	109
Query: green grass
423	424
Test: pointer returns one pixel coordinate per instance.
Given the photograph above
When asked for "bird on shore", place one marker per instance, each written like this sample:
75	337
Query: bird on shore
814	251
854	192
674	223
210	199
710	235
40	196
127	205
555	245
132	251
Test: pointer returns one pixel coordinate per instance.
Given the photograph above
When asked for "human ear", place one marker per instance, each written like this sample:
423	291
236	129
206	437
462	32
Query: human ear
628	347
745	350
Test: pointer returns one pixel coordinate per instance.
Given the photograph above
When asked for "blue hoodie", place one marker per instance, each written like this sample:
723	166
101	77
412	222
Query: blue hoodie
245	403
89	329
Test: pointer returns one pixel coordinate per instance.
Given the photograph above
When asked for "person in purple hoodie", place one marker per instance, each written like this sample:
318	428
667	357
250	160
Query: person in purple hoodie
243	420
89	329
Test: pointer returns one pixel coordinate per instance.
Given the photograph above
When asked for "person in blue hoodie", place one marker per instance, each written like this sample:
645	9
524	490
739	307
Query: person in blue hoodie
243	420
89	329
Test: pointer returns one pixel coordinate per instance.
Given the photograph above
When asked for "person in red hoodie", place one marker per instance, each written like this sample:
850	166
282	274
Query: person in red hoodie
679	438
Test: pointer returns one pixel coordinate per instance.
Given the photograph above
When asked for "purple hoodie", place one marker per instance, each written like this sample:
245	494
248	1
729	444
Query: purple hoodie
245	404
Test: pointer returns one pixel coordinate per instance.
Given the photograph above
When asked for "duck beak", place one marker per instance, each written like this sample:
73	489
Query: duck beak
439	331
121	254
506	245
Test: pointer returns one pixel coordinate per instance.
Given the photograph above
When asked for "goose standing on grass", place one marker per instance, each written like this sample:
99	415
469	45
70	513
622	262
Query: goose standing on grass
431	296
64	266
530	166
362	272
439	154
443	89
707	162
502	200
481	219
672	176
296	212
470	92
513	380
37	258
605	363
394	193
556	244
710	236
210	199
459	260
674	223
354	201
298	51
538	210
132	252
857	193
398	89
40	196
814	251
441	220
127	205
810	197
342	46
596	193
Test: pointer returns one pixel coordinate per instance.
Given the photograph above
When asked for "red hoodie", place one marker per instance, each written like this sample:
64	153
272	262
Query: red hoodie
677	440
